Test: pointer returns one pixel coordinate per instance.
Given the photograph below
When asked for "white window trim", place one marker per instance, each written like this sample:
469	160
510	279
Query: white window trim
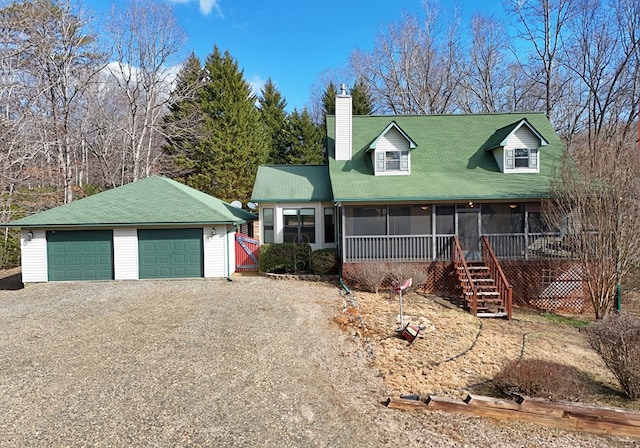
380	163
510	159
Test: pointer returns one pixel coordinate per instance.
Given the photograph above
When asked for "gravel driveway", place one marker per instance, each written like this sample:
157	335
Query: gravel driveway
251	363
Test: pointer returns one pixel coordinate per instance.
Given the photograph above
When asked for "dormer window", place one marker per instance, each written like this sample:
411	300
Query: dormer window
521	158
516	148
390	152
389	161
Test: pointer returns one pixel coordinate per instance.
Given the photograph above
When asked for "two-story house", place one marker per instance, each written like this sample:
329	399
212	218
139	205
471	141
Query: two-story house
438	190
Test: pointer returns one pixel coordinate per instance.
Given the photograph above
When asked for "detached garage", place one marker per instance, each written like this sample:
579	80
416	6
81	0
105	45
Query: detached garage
153	228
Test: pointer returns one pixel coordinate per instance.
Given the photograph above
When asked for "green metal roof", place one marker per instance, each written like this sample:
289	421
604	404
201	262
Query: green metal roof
292	183
152	201
449	164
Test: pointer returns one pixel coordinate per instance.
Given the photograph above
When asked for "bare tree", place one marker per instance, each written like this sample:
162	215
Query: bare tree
55	59
543	28
603	57
596	205
413	68
147	40
487	75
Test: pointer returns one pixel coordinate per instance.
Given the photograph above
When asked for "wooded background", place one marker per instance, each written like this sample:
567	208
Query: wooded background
88	104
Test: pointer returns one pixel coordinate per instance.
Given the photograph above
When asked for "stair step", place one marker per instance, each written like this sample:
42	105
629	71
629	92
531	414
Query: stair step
478	280
483	293
474	268
489	314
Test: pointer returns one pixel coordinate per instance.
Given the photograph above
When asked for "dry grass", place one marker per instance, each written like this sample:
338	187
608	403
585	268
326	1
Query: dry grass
460	353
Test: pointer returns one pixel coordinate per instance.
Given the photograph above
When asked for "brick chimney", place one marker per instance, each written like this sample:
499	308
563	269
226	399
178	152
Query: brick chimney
343	124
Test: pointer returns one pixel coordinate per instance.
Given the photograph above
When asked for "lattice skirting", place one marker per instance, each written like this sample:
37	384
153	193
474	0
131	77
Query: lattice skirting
547	285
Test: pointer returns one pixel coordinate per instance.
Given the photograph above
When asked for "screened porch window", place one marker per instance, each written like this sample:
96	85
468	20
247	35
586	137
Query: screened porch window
445	220
299	225
536	221
409	220
502	218
366	220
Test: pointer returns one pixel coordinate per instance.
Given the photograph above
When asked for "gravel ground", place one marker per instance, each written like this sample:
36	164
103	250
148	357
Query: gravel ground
255	362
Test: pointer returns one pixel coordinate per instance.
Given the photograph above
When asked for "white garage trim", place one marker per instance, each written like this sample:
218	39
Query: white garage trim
125	254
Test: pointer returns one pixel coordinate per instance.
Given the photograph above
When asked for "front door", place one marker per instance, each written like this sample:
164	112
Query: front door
469	233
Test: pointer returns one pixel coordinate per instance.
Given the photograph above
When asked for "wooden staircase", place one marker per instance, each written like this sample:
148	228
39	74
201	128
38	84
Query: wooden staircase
485	290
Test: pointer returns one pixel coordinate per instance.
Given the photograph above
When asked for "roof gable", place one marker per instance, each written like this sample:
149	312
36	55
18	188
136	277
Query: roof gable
155	200
390	126
292	183
500	137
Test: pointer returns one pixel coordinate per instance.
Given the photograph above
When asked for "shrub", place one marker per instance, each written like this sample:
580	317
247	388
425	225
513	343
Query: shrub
400	272
542	379
368	276
616	338
324	262
284	258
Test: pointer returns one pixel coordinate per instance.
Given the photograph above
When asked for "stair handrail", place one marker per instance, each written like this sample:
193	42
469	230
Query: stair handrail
459	260
504	287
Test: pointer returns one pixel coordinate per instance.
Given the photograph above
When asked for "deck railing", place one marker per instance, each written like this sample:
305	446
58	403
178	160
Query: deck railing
397	248
495	271
506	246
531	246
465	276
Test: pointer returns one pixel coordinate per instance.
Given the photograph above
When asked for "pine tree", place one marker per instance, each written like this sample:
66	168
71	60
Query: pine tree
182	125
361	99
274	118
329	100
231	142
305	139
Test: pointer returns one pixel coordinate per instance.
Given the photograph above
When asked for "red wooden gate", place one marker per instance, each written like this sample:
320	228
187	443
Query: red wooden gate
246	253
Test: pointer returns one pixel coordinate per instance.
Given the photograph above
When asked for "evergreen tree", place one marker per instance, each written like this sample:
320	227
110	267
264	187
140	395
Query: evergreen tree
304	140
329	101
361	99
274	119
182	125
231	143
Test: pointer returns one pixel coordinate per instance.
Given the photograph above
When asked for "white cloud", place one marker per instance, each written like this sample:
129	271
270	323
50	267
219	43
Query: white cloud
256	83
206	6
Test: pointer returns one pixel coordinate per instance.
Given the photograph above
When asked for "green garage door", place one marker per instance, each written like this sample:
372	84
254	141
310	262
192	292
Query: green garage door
170	253
80	255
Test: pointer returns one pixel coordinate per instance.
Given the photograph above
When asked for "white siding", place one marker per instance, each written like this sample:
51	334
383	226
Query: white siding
125	254
393	140
34	256
499	156
216	255
343	127
522	138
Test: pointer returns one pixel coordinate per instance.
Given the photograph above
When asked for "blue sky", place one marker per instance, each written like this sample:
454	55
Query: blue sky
292	42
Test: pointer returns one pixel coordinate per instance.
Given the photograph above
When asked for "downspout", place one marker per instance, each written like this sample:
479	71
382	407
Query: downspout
346	289
338	238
